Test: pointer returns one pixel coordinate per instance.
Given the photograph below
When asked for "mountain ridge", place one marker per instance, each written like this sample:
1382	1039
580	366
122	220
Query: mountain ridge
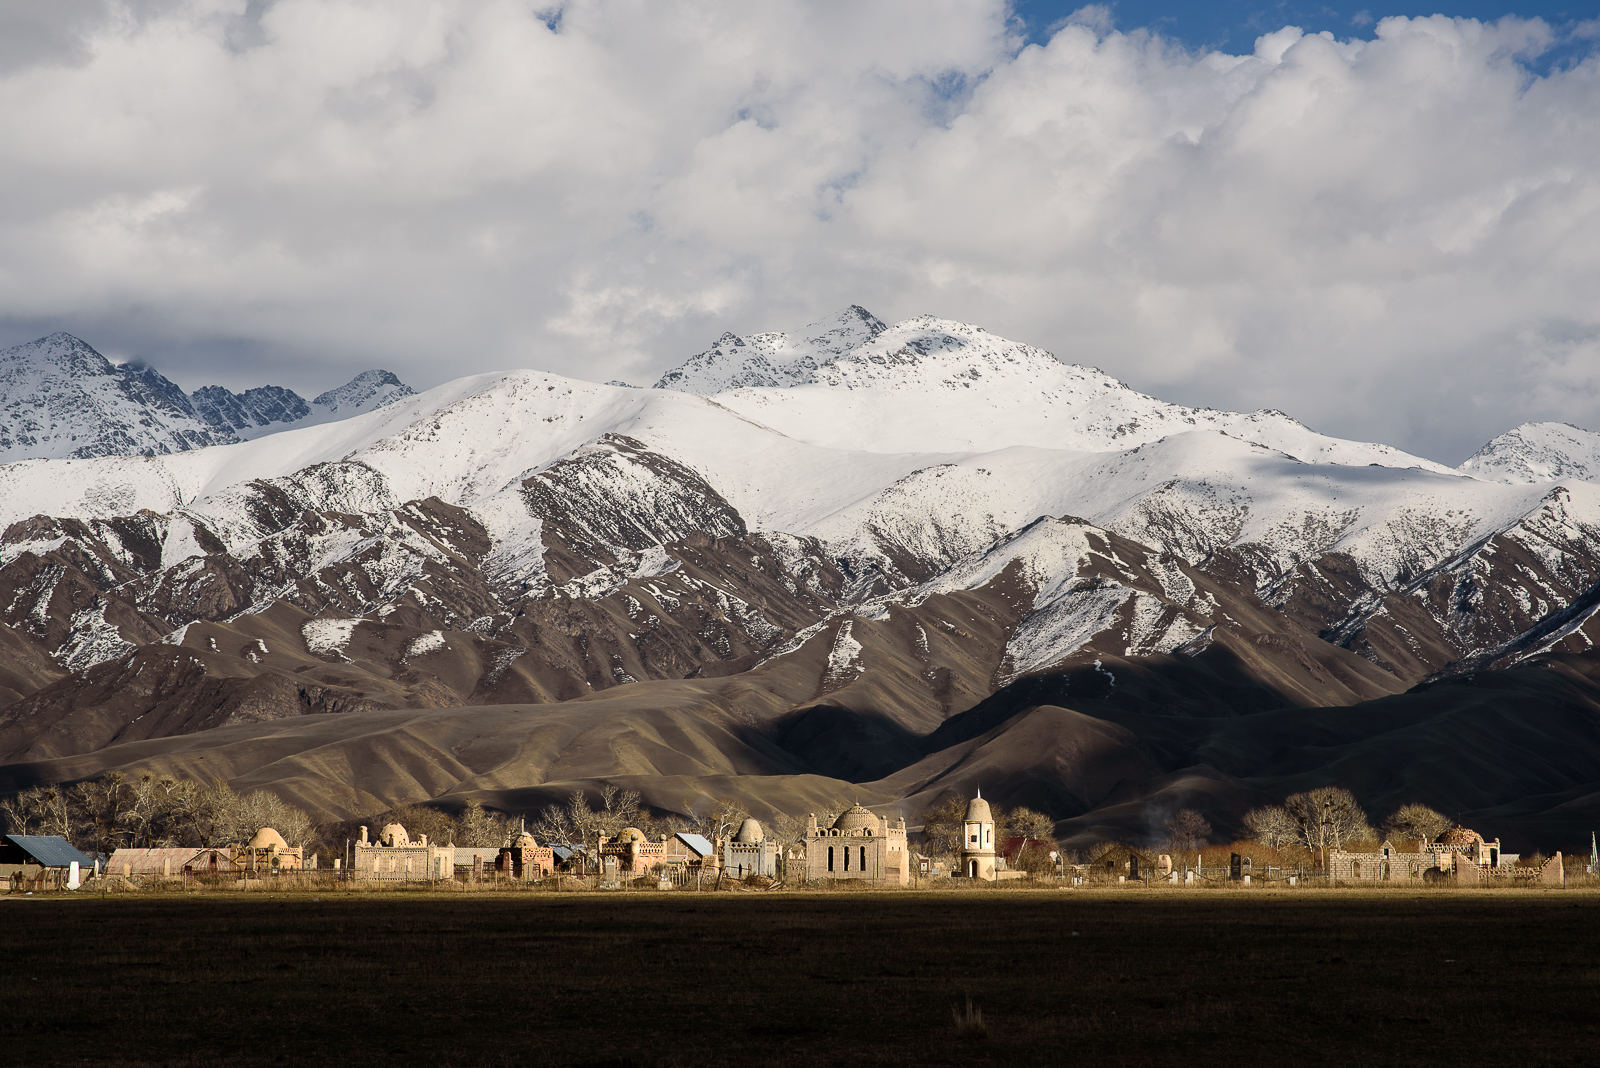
60	398
605	564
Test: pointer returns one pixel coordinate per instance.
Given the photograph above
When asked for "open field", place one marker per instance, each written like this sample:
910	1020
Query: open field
1063	977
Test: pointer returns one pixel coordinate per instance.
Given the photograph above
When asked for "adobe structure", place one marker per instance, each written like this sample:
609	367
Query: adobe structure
859	845
749	853
977	841
1461	855
267	851
631	853
523	858
395	856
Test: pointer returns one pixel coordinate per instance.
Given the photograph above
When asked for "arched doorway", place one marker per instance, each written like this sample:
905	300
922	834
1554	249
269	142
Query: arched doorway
972	869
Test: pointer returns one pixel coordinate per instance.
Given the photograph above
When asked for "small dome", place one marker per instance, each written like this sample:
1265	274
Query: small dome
268	839
856	818
524	840
750	833
631	835
394	835
1461	836
978	811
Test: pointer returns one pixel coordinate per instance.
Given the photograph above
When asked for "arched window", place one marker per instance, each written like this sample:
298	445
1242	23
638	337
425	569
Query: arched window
863	858
846	858
830	858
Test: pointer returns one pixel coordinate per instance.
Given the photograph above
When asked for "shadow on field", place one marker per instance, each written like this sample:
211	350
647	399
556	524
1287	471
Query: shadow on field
1427	977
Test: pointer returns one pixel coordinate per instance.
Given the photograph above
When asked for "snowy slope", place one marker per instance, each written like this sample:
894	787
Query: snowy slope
1538	452
59	397
933	385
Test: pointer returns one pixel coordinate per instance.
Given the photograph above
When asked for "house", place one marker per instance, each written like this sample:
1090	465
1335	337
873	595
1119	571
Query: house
859	845
167	862
41	861
691	852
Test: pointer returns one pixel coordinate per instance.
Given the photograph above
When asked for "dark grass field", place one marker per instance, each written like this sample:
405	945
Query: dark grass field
1060	977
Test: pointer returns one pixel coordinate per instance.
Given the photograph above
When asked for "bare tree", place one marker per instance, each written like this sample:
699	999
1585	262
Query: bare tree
1187	831
1026	823
1272	826
1327	818
40	810
477	826
1416	823
942	825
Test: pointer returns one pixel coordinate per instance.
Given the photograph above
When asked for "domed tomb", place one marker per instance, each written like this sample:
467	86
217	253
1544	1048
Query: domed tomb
1460	836
270	840
856	819
394	835
978	811
750	833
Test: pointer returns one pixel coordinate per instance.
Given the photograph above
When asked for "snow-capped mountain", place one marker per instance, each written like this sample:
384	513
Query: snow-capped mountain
933	385
896	519
60	398
1538	452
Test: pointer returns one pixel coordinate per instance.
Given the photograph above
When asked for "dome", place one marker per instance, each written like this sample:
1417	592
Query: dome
856	818
268	839
631	835
1460	836
394	835
978	811
750	833
524	840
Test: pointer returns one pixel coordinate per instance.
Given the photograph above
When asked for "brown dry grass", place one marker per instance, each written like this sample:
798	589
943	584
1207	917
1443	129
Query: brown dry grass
1334	977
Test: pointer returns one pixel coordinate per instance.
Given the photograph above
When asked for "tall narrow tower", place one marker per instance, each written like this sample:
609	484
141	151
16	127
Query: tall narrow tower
977	840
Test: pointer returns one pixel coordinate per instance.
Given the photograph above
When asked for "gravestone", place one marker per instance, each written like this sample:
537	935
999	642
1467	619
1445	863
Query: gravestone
1188	878
1133	865
1236	867
72	876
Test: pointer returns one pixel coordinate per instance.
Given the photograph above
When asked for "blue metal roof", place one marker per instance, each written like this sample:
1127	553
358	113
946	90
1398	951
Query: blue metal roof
697	843
563	853
51	850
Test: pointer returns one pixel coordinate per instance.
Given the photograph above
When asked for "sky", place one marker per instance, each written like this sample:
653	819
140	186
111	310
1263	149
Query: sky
1385	222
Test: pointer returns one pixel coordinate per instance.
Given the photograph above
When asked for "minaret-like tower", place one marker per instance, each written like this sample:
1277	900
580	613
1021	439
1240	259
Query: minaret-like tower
977	840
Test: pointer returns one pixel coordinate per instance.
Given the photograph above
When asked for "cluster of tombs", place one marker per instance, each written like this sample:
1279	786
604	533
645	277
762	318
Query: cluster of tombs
857	846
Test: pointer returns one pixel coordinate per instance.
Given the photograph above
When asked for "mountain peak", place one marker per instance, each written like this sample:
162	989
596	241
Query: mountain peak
1537	452
366	391
736	362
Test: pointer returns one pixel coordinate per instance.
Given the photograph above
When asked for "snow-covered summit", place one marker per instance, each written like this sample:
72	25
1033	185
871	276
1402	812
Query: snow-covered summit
363	393
773	359
61	398
935	385
1538	452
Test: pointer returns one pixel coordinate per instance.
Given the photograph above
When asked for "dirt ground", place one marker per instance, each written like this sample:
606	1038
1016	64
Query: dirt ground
1058	977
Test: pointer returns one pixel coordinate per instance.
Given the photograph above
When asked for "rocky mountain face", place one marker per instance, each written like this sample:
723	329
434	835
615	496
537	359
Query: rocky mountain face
59	398
873	561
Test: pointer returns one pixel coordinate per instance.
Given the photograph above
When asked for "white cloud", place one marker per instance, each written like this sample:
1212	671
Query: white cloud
1394	239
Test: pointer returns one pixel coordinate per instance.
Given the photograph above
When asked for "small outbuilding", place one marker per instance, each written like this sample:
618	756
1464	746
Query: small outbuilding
41	861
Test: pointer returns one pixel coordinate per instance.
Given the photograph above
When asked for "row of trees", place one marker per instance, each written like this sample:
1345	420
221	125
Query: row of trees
1329	817
150	811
